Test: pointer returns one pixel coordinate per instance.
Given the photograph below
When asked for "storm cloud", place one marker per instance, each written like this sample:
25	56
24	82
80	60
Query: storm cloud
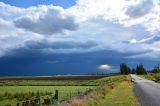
43	44
36	63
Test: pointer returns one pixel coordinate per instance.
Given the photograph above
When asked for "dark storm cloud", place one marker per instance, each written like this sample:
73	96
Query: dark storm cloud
26	62
48	23
60	44
140	9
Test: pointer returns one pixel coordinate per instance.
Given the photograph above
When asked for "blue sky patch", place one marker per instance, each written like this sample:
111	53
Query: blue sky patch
28	3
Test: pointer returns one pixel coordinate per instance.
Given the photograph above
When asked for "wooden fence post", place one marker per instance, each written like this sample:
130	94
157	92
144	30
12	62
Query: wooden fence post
18	104
56	95
39	100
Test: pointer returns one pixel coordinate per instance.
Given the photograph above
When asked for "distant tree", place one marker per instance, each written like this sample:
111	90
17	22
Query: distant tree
140	69
124	69
156	69
128	70
133	71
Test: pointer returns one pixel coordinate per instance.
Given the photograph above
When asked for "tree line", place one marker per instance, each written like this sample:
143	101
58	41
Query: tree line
139	69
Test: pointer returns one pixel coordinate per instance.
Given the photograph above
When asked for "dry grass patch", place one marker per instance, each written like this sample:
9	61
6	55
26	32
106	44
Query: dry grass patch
92	98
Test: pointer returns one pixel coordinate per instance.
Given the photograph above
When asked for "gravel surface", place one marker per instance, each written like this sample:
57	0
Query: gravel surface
147	91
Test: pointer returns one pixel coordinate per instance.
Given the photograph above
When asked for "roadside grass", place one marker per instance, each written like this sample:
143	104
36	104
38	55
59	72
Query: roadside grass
122	95
152	76
92	98
118	93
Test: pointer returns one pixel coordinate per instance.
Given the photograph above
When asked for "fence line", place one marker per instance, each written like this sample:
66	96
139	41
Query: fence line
48	100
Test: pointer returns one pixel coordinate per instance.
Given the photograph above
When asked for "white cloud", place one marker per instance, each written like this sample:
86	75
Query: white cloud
104	67
5	27
150	40
109	23
133	41
9	12
46	20
125	12
88	9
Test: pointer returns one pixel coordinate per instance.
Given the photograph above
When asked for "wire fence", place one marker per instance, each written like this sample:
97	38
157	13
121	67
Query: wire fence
50	99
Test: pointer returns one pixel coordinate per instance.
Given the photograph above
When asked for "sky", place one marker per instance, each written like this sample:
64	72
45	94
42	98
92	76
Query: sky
28	3
57	37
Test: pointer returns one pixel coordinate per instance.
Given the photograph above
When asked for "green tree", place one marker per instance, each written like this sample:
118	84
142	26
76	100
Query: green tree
156	69
124	69
133	71
140	69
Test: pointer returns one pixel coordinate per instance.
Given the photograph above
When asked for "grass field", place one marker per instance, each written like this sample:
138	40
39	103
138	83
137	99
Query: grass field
19	90
80	81
64	92
60	77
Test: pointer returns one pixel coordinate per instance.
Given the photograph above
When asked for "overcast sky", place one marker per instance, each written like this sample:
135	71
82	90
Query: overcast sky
48	37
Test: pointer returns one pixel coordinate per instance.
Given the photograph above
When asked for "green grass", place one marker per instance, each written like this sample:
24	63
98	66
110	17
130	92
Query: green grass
9	90
117	93
64	92
152	76
121	95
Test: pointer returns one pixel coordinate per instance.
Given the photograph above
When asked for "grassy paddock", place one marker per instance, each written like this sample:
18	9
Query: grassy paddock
8	93
18	92
61	77
83	82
